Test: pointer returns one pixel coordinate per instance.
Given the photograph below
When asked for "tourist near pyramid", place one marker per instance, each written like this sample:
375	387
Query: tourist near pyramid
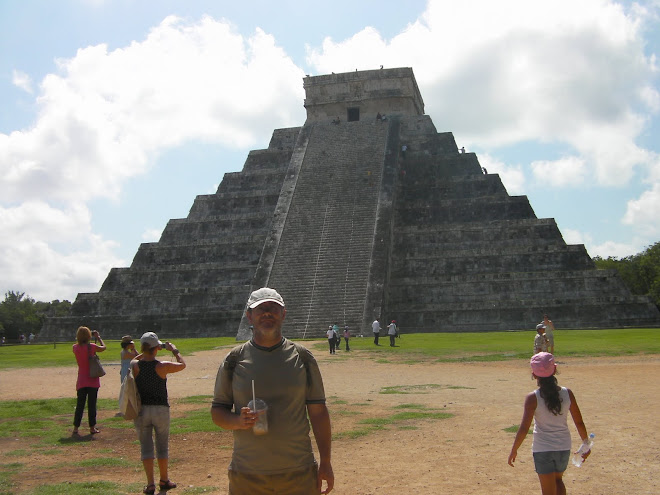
364	212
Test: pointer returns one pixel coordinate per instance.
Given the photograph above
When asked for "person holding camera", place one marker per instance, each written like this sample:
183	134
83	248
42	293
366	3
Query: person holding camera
128	353
87	388
154	418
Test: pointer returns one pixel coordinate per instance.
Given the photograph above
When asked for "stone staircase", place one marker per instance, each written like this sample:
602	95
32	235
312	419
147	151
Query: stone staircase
322	263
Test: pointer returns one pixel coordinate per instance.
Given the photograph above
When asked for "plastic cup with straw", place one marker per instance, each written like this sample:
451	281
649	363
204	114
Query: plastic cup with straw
261	408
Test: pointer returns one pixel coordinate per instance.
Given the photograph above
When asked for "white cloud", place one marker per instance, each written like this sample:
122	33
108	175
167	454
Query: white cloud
605	249
105	116
643	212
362	51
611	152
562	72
22	80
568	171
151	235
512	176
51	253
616	249
651	98
654	168
572	236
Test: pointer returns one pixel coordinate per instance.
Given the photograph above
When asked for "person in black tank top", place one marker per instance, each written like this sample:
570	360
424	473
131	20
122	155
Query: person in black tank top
154	418
152	388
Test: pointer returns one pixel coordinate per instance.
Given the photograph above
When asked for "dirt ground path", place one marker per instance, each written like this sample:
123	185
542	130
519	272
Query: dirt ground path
464	454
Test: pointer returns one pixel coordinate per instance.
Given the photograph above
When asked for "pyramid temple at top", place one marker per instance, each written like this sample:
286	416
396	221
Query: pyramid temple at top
353	217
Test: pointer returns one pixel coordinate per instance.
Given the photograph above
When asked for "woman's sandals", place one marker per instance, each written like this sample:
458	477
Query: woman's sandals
166	485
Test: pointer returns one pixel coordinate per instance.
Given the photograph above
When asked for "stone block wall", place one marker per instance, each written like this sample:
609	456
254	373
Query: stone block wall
353	221
195	280
386	91
469	257
322	262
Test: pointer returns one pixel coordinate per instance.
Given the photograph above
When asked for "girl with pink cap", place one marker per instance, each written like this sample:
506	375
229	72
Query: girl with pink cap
548	406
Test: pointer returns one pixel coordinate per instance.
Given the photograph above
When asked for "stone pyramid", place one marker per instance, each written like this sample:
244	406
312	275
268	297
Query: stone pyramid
365	211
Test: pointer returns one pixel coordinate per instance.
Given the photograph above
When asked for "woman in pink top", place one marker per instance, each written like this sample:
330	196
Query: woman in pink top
87	387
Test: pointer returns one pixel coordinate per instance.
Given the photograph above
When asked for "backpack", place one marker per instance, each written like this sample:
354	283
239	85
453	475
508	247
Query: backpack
129	397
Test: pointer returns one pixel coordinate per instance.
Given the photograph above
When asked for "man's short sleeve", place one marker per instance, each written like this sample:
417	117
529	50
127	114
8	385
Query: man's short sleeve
223	395
315	393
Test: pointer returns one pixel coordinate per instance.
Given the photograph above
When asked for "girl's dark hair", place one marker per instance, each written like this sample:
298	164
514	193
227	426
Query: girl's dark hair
124	345
549	391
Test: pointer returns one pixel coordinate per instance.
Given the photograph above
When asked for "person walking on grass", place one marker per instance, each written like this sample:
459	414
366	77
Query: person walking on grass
549	333
540	340
549	406
154	418
375	326
392	332
87	388
332	341
335	328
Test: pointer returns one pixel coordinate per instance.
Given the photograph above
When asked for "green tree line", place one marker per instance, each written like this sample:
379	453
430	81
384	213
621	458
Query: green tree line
640	272
22	315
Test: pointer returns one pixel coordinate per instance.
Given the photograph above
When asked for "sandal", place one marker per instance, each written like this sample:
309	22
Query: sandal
149	489
166	485
94	430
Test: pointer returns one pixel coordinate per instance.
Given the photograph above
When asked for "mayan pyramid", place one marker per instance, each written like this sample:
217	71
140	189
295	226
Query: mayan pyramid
365	211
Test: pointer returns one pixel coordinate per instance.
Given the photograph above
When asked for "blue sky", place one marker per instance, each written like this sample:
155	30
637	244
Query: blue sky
115	114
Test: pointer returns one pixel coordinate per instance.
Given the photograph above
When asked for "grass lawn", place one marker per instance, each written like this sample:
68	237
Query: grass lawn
510	345
43	426
442	346
60	354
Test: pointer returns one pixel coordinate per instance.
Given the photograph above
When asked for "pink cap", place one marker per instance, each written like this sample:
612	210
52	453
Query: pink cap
543	364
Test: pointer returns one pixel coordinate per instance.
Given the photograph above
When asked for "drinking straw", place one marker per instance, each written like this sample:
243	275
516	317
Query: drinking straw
254	398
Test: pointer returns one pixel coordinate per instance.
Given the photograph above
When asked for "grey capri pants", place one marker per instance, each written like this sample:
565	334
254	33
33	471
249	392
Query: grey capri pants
153	419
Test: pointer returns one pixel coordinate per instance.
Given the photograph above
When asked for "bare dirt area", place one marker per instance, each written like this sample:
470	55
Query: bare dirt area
463	454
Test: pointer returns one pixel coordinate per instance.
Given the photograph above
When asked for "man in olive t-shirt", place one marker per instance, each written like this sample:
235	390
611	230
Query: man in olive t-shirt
286	376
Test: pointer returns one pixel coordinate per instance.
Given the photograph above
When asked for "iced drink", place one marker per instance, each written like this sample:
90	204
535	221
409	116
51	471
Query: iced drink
261	408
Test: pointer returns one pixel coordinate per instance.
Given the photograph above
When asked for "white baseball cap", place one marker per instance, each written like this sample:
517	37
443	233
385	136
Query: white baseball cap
151	339
263	295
